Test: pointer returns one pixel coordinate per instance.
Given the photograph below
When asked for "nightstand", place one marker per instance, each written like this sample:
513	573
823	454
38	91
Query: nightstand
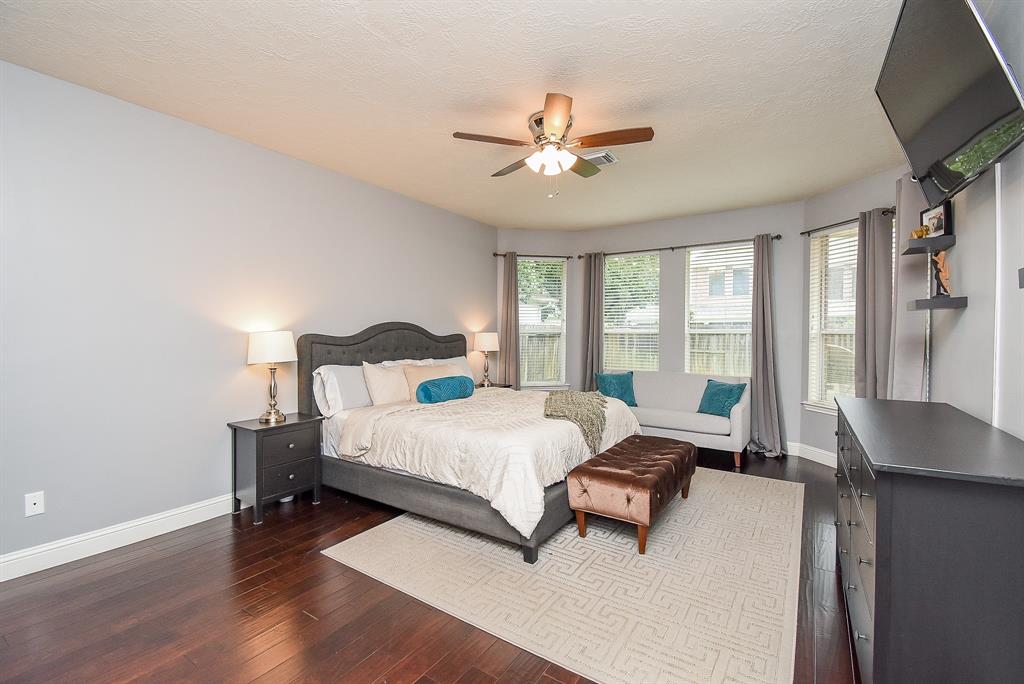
496	384
270	462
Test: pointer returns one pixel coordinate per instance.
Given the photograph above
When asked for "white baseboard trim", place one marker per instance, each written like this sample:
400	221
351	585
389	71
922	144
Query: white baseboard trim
36	558
811	453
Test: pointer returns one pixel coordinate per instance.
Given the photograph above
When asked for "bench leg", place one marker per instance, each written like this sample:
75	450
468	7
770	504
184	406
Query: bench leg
581	522
641	537
686	490
736	455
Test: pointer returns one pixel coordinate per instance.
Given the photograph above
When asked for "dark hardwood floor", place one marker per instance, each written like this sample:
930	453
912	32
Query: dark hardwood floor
225	601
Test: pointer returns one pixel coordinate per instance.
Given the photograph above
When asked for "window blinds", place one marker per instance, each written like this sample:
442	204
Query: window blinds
719	308
631	311
833	303
541	321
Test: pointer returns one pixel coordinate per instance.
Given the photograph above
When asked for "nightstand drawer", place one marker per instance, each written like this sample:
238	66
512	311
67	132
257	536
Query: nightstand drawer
282	479
287	447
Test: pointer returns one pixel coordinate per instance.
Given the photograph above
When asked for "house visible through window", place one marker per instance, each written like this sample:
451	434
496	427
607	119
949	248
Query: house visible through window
631	311
833	304
541	321
718	309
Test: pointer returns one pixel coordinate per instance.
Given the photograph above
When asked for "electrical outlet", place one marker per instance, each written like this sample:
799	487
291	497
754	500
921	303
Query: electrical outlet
34	504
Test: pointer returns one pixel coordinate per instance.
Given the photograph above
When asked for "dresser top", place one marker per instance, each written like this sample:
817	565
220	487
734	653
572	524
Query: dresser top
933	440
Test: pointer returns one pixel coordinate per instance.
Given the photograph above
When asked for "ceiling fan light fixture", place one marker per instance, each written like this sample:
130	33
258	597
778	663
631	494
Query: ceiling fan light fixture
534	161
566	159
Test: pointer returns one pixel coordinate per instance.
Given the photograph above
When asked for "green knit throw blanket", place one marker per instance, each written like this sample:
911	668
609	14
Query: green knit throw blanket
586	409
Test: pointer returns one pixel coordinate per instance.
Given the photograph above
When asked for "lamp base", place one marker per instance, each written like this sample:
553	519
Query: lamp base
273	416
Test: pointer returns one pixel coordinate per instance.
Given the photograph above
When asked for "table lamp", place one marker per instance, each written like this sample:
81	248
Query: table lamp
486	342
272	347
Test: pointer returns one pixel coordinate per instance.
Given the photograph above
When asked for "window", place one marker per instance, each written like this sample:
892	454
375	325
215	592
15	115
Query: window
833	307
718	309
541	321
631	311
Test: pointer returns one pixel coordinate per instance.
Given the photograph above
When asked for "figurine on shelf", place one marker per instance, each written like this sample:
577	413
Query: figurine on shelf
921	232
942	287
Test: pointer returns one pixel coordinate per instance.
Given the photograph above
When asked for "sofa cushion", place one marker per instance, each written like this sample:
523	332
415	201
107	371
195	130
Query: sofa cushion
682	420
617	385
674	390
720	397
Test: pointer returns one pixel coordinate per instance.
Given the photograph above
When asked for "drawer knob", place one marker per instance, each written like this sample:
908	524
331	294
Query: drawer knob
851	587
863	637
851	523
864	561
842	496
853	467
838	474
842	550
836	433
865	495
291	445
292	476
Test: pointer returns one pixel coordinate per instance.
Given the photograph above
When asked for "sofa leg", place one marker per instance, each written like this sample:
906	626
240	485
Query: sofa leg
641	538
736	456
686	490
581	522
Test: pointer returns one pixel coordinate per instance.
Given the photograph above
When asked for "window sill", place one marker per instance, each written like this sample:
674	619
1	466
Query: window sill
544	388
821	408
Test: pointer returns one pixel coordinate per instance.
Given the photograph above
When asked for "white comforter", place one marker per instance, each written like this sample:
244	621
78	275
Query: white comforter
496	444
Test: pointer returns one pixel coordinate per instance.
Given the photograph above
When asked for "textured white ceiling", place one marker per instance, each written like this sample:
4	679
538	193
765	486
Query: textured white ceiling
752	101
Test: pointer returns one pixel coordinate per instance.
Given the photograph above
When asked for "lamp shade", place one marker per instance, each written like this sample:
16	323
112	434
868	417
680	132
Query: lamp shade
274	346
486	342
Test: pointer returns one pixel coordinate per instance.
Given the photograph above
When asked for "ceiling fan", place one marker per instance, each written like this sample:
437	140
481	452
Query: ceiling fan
553	149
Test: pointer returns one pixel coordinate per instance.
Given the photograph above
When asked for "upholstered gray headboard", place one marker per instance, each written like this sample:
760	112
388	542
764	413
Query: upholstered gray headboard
381	342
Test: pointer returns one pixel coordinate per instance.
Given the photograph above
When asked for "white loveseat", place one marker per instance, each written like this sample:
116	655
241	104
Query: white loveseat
667	404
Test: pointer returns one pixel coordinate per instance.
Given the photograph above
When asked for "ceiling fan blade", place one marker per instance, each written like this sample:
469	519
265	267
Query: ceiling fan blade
515	166
610	138
491	139
557	108
586	168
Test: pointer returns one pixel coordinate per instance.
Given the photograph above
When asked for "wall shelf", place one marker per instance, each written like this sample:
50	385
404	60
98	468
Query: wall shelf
928	245
937	303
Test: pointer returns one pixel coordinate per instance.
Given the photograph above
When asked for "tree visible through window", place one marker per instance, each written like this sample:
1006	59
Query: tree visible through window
718	309
541	321
632	296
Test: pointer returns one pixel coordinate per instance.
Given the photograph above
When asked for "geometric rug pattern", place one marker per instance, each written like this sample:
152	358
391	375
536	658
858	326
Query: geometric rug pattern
713	600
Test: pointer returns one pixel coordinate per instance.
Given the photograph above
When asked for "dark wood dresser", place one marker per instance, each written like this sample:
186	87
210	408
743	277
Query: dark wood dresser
930	542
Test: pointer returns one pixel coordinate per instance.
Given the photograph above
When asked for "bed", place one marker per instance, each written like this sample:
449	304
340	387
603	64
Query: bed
449	504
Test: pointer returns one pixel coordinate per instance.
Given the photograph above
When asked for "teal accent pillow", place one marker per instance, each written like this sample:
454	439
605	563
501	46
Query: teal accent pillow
444	389
617	385
720	397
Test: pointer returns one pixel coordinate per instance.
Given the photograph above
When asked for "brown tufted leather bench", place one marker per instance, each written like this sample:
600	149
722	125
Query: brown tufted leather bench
633	481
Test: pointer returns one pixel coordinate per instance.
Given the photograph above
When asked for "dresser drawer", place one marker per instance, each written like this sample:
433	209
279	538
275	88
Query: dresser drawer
863	557
844	543
862	631
286	447
286	478
866	498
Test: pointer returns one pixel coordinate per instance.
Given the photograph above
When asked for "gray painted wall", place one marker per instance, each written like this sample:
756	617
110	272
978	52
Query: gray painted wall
978	360
136	250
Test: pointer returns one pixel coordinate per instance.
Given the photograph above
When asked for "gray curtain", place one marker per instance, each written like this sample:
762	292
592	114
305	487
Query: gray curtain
874	305
593	318
765	423
508	341
909	328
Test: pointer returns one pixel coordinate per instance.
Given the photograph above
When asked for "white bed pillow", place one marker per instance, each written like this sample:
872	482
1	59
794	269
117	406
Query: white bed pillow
386	385
415	375
406	362
339	388
460	362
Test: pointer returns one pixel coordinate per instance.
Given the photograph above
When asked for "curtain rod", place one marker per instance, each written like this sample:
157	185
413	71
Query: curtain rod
885	212
536	256
673	248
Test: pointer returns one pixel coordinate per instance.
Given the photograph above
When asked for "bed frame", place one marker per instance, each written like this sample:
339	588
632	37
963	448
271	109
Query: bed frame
458	507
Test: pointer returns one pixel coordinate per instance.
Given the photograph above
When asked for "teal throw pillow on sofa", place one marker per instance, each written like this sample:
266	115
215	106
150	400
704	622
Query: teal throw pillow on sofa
617	385
720	397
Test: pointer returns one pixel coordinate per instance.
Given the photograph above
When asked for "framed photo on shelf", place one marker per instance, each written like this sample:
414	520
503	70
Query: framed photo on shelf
939	220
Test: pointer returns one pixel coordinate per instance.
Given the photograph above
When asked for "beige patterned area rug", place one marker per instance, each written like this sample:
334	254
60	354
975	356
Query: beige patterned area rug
713	600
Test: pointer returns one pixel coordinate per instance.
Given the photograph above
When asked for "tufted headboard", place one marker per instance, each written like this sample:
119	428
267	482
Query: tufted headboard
381	342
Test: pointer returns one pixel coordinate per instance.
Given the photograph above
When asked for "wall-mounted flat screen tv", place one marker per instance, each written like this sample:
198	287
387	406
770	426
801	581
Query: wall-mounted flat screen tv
950	96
